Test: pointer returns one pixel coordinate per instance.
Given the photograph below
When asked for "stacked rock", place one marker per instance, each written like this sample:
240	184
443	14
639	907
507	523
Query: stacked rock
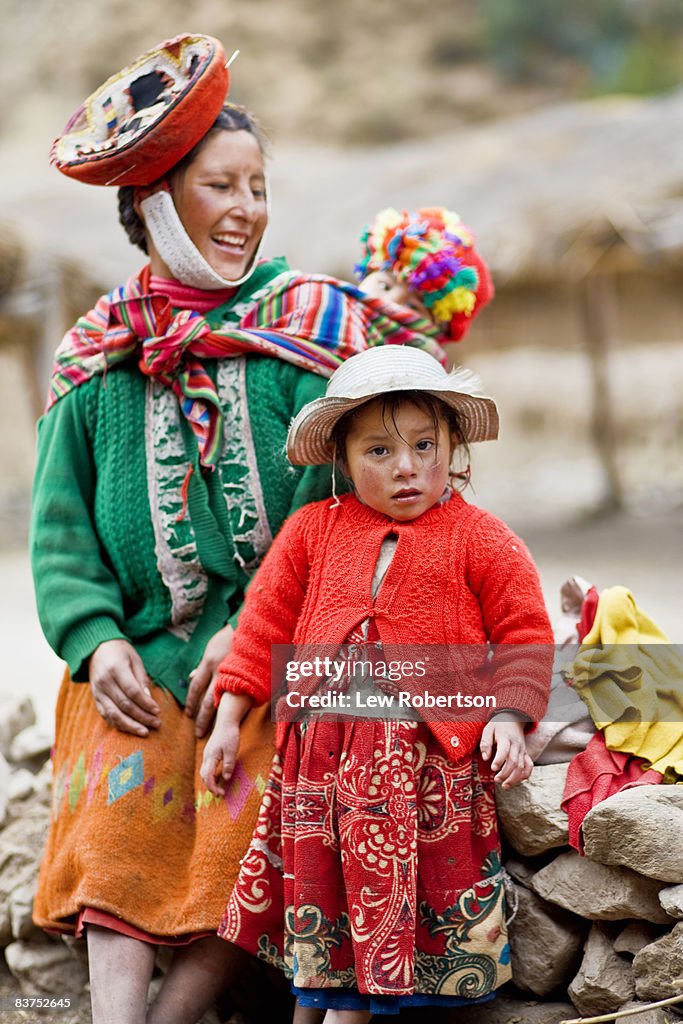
601	928
35	965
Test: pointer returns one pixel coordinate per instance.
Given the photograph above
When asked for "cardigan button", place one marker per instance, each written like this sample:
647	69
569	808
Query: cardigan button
455	741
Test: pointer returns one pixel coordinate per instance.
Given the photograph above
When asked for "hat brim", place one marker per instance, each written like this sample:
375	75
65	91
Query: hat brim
309	442
146	117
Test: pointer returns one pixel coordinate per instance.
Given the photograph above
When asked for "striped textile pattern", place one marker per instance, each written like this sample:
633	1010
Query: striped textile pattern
313	321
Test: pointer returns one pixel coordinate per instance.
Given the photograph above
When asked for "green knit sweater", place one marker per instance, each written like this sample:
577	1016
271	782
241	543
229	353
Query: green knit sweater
125	544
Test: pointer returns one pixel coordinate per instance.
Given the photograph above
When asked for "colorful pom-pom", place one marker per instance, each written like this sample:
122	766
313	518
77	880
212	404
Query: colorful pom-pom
432	251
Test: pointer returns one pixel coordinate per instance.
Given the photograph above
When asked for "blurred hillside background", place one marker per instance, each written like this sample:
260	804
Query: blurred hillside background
554	129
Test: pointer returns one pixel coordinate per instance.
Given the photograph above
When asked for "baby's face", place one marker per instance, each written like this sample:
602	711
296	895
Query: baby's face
382	284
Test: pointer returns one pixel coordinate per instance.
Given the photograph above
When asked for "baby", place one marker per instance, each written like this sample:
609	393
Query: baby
425	259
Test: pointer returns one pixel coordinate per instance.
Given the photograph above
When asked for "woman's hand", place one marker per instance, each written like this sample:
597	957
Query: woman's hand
199	703
505	734
120	688
220	752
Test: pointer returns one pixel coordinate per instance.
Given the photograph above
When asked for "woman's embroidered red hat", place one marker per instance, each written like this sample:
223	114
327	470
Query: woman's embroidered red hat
145	118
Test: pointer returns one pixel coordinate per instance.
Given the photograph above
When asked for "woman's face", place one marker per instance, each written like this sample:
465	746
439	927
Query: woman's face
221	201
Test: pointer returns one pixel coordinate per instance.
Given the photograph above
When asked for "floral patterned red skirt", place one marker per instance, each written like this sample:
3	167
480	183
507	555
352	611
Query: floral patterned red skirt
375	865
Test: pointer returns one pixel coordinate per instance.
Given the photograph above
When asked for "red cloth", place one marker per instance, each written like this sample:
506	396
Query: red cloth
459	576
596	774
588	611
89	915
186	296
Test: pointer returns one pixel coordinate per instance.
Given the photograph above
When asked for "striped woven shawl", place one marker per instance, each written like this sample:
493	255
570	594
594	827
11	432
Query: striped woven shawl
313	321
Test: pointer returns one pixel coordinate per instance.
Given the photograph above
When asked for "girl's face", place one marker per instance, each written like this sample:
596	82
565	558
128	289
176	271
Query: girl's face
221	201
399	464
382	284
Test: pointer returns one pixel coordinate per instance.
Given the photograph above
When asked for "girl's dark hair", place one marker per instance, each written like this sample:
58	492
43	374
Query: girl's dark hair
232	118
392	402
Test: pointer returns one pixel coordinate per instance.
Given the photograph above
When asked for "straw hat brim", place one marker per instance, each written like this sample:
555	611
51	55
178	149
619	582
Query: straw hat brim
309	442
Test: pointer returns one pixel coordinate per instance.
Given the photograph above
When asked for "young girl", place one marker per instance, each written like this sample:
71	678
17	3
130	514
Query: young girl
374	877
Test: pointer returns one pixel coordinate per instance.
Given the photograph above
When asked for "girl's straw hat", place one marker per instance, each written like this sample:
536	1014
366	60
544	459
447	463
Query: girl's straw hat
378	371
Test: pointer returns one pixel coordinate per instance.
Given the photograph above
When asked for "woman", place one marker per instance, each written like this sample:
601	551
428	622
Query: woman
142	551
161	480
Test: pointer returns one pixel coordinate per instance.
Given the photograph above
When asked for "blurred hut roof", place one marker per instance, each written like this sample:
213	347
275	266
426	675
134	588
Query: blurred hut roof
551	195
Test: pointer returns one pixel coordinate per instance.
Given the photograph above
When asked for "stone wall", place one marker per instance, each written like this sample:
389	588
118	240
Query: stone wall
34	963
603	928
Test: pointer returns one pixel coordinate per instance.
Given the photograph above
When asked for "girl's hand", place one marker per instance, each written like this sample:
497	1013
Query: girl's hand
505	734
200	693
120	688
220	752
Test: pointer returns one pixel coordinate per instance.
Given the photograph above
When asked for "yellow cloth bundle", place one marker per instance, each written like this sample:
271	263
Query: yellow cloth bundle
631	678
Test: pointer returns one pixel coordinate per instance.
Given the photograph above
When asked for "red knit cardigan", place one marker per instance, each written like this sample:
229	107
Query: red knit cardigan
458	576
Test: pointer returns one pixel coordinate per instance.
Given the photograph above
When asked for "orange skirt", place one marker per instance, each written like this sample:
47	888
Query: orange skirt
134	832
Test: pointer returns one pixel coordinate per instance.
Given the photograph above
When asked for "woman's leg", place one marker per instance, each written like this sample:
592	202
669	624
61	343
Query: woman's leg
198	974
347	1017
307	1015
120	972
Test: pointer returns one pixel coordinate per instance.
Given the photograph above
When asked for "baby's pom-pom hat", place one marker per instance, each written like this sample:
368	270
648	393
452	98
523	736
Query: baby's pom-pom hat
432	252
